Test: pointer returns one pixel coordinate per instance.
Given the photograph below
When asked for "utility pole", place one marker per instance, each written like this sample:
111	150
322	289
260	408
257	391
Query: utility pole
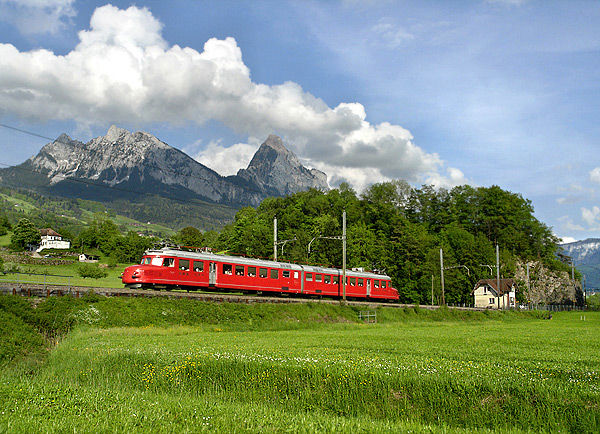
498	274
275	242
442	275
275	238
344	255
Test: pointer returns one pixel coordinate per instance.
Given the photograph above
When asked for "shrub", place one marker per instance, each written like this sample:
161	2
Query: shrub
91	270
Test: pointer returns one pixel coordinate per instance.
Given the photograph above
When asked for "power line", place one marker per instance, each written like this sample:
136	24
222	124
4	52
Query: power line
26	132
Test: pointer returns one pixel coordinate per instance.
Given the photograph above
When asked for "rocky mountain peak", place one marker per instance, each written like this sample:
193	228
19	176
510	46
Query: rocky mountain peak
115	133
279	172
276	143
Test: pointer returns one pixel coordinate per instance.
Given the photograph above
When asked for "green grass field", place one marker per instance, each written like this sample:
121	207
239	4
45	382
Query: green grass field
187	367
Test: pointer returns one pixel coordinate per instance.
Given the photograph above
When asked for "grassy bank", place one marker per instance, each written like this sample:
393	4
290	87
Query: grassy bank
181	366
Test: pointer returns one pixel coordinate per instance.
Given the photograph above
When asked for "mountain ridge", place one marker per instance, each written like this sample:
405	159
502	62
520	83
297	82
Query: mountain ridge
140	163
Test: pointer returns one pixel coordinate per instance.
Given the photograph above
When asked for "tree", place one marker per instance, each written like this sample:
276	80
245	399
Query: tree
189	237
4	224
24	233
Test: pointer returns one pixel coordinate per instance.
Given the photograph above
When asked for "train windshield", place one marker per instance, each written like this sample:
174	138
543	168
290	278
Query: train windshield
146	260
157	261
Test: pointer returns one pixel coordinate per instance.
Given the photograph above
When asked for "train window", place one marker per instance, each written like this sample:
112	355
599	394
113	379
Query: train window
309	277
252	271
383	282
169	262
157	261
239	270
353	281
295	274
318	277
336	279
228	269
199	266
360	282
275	274
327	279
285	273
376	283
263	272
184	264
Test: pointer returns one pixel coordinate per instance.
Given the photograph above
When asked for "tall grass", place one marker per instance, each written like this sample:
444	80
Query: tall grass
309	368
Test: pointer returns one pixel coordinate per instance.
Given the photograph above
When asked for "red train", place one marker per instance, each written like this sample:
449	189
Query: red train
171	269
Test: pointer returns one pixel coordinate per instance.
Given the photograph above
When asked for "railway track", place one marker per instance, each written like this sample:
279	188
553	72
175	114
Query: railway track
48	290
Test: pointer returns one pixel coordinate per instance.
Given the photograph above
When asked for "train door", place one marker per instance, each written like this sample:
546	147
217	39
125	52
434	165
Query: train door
212	274
169	272
368	287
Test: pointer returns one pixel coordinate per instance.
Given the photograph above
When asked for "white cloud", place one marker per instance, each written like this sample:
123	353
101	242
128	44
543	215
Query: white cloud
569	200
123	71
595	174
391	35
591	217
226	160
568	225
566	240
37	16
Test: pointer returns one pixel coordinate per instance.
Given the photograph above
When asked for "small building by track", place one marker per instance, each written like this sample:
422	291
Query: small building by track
487	295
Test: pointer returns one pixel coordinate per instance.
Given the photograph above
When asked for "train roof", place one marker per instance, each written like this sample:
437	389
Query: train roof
262	262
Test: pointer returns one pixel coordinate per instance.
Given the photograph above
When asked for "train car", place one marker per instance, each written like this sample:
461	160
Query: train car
171	269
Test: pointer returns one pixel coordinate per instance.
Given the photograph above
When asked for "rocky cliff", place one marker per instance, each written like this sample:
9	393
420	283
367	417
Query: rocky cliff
546	286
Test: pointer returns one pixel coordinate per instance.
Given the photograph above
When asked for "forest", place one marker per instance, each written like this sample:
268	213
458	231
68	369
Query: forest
392	227
397	229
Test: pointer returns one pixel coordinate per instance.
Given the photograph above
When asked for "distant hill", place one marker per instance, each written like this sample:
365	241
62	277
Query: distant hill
586	257
124	165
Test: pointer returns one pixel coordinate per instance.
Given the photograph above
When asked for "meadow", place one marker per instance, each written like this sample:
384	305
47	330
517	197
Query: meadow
178	366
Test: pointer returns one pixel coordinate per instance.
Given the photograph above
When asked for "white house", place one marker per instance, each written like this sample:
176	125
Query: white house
486	294
52	240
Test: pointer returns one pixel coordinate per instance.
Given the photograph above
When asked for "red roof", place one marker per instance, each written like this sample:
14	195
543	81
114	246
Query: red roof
49	233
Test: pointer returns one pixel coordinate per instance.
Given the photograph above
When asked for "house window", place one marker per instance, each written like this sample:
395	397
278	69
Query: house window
491	301
484	290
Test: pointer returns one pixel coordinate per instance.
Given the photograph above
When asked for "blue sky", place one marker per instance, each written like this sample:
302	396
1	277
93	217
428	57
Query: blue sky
484	92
